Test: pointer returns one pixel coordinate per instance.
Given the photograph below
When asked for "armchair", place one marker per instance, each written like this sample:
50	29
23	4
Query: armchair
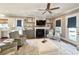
19	39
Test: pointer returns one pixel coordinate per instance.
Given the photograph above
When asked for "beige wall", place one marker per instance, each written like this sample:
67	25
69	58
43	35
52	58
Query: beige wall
64	24
12	22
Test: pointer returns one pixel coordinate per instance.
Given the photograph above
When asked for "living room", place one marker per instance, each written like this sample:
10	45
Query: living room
39	28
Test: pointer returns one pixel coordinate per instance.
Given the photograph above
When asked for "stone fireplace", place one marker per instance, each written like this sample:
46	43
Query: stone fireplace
41	32
41	29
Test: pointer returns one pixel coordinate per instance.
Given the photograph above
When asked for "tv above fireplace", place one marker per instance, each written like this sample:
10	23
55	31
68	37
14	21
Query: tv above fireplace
40	22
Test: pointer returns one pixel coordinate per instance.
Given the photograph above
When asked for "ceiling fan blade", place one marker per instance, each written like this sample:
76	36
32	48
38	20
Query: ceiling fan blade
41	9
50	12
44	12
48	6
55	8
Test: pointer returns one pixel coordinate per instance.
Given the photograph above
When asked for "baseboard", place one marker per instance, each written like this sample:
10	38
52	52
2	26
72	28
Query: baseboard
69	41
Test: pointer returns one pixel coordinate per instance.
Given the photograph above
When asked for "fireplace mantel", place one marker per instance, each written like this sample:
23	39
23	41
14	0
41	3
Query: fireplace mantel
42	27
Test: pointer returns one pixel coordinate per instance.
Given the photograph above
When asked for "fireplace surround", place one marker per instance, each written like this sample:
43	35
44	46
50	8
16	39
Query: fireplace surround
40	33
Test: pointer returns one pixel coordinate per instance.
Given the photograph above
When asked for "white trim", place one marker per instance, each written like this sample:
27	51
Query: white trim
67	29
45	28
70	11
68	16
20	28
61	23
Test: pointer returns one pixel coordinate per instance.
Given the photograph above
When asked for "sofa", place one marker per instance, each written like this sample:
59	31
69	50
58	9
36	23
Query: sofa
7	47
20	40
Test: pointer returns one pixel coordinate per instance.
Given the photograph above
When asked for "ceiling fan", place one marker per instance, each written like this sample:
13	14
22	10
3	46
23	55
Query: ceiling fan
48	9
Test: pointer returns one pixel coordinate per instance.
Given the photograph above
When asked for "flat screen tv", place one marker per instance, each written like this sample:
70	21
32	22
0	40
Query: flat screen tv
40	22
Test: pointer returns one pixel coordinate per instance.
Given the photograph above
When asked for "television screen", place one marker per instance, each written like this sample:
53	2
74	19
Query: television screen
40	22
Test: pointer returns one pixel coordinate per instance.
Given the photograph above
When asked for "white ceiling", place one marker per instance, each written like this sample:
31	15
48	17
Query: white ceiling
31	9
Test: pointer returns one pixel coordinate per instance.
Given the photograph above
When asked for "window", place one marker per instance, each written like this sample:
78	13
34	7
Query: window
58	23
19	23
20	26
4	26
72	22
